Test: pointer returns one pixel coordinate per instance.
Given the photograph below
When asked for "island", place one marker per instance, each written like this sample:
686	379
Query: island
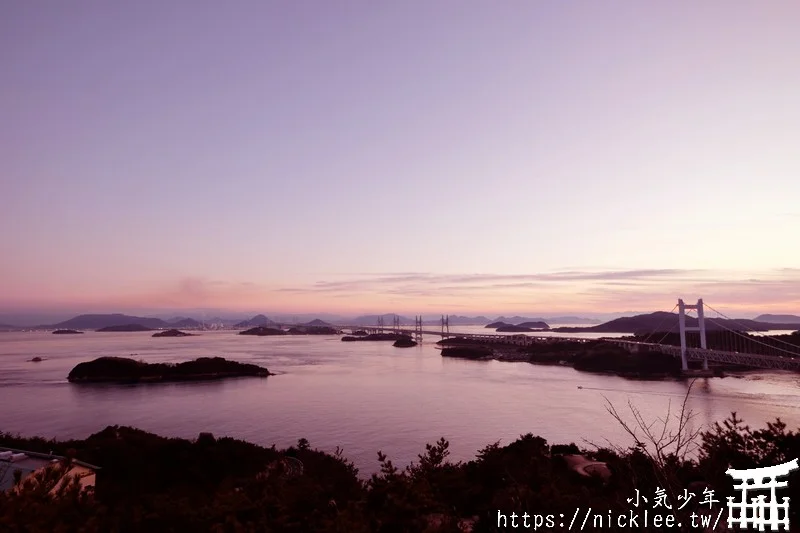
124	370
469	352
524	326
262	331
173	333
534	325
375	337
312	330
404	342
589	356
125	328
67	332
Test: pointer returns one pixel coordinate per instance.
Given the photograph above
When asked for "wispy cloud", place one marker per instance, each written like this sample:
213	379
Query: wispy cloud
496	281
590	290
600	289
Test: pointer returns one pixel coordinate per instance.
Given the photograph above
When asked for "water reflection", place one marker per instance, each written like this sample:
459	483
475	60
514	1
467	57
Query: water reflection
362	396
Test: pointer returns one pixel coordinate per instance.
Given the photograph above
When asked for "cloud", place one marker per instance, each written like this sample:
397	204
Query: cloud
606	289
567	290
493	281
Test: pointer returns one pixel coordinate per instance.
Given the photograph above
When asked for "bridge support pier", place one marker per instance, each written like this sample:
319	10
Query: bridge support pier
701	327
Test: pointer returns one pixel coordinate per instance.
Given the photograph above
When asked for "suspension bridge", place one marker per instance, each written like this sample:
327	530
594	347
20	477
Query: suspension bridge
694	337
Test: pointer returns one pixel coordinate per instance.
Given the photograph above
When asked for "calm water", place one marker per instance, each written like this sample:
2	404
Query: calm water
363	397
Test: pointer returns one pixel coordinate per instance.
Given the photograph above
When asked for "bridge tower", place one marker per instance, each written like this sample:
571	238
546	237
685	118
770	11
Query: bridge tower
418	329
379	329
701	327
396	324
445	326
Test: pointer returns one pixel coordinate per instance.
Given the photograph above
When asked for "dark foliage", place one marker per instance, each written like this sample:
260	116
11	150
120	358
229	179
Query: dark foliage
468	352
151	483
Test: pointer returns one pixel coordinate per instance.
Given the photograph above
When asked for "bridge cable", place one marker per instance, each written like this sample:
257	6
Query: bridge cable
739	337
749	328
753	340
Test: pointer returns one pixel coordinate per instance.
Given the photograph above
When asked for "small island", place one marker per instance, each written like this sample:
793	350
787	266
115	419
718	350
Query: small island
125	328
67	332
534	325
262	331
480	353
405	342
124	370
375	337
312	330
525	326
173	333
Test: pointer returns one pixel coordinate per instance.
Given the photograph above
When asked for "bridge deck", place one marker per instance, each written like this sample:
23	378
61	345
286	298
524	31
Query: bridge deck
694	354
775	362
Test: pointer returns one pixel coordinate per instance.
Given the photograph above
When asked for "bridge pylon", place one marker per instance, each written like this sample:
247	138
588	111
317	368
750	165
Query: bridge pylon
701	327
445	326
396	324
418	329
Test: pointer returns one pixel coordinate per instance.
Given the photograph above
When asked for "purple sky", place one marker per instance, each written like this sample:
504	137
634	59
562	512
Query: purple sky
449	156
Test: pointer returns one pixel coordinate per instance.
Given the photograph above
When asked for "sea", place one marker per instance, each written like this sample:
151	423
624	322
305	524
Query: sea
359	397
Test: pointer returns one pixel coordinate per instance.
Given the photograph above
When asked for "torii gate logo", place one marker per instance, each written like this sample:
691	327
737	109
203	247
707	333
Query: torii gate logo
758	511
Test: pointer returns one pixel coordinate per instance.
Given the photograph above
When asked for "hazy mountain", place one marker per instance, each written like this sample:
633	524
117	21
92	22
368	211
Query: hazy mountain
220	320
571	320
778	319
125	328
6	327
456	320
258	320
30	319
317	323
372	320
185	323
517	319
105	321
302	318
664	322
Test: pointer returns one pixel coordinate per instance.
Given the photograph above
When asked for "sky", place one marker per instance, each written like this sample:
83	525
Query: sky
454	156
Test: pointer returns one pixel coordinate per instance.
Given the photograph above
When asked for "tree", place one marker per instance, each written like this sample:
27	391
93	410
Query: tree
662	448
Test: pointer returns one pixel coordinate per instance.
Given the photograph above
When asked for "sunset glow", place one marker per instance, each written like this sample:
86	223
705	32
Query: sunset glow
412	157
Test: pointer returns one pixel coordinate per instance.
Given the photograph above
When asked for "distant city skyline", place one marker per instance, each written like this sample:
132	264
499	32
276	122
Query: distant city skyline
454	157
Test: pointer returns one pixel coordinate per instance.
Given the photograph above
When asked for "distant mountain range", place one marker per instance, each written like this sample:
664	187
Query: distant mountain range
258	320
779	319
458	320
552	320
184	323
106	321
664	322
628	324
